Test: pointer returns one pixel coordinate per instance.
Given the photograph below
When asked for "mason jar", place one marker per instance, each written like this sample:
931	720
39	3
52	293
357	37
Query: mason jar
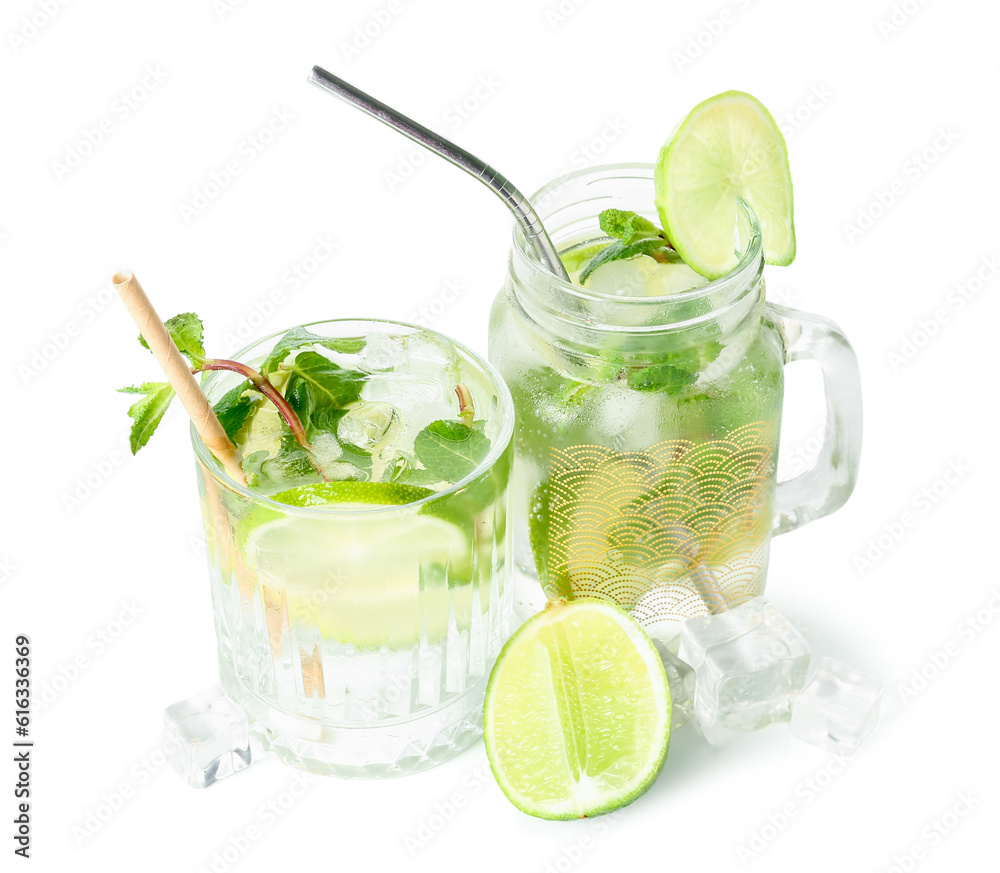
647	428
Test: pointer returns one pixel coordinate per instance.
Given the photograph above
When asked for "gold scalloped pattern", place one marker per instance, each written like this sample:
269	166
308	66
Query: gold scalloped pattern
669	533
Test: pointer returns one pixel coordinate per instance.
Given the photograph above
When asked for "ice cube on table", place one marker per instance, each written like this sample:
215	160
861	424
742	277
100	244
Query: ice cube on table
749	664
681	679
207	737
838	708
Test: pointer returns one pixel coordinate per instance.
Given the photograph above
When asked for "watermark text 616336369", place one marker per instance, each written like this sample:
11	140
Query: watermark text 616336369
22	745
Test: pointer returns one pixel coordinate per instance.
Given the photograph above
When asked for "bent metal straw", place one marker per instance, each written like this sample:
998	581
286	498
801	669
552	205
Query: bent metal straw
178	373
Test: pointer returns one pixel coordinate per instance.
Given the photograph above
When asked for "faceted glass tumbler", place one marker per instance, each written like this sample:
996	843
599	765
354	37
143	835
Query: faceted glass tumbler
838	708
358	641
749	664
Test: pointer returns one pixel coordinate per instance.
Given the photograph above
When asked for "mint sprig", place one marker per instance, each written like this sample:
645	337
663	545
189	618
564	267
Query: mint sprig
233	409
634	235
187	332
147	413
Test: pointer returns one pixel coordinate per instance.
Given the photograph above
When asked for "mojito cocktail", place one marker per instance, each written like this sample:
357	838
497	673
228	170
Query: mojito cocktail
648	402
359	581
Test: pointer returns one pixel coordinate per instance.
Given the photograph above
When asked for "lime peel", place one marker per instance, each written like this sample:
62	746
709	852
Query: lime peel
728	148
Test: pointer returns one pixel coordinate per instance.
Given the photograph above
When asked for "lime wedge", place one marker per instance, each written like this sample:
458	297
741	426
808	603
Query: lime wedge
729	147
577	713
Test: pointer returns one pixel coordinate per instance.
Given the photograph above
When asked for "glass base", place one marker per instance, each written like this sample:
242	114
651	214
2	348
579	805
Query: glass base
215	734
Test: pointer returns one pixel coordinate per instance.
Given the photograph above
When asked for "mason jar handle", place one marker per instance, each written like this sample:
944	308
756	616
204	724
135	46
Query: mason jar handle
826	486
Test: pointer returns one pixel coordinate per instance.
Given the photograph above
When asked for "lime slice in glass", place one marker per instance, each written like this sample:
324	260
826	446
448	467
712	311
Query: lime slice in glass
728	148
361	577
333	493
577	713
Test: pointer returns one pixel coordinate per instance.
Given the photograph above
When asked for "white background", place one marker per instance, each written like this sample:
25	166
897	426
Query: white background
537	89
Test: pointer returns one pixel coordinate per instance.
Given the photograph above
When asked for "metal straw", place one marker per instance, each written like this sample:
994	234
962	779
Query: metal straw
516	202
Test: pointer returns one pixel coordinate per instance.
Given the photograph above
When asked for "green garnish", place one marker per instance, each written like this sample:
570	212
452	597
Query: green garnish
312	394
187	332
451	449
634	235
147	413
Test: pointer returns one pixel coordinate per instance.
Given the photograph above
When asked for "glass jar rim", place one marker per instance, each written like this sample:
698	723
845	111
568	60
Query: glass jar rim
498	447
744	273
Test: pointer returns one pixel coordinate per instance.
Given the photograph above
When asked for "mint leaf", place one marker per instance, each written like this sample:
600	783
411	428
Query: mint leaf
298	337
634	235
187	332
661	377
627	226
346	345
234	408
619	251
676	371
319	390
147	413
451	449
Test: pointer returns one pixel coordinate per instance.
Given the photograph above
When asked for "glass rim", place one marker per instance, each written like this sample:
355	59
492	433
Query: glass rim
499	446
747	262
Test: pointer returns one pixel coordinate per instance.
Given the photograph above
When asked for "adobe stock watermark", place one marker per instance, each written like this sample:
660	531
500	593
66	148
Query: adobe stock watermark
94	135
943	656
921	504
911	171
801	457
247	151
60	337
445	811
574	852
956	298
91	480
428	312
711	29
454	117
898	16
796	118
97	643
224	8
8	569
374	25
268	814
779	820
100	813
588	153
291	281
32	24
934	833
561	12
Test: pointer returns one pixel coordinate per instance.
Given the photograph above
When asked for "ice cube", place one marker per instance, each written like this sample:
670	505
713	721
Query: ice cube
838	708
382	352
367	426
681	678
749	664
325	448
642	276
626	278
207	737
426	352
